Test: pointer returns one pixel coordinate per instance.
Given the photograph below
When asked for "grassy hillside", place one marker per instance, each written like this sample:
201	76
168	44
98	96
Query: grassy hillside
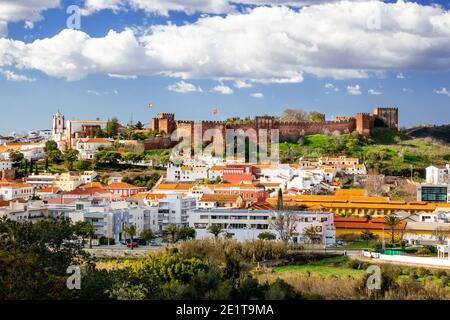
435	132
386	151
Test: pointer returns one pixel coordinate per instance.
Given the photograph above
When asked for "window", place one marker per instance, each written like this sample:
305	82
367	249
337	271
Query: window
434	194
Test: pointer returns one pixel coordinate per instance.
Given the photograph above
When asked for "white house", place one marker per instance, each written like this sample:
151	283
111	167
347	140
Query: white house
438	174
88	146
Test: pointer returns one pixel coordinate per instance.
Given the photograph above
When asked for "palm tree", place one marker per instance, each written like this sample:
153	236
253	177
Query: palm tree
215	229
84	229
131	232
392	222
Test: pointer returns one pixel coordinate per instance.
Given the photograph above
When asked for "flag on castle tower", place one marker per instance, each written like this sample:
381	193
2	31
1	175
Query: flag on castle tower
215	111
150	105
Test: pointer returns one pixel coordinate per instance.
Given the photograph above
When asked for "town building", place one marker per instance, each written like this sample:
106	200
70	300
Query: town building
122	190
87	147
221	201
438	174
238	173
354	202
10	190
23	210
433	192
174	209
67	133
245	224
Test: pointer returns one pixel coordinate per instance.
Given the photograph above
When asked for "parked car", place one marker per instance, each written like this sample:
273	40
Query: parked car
132	244
154	243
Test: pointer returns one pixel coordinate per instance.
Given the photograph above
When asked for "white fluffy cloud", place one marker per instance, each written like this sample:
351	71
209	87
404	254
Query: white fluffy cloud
123	77
330	87
374	92
184	87
19	10
257	95
354	90
93	92
400	76
443	91
242	84
265	45
222	89
12	76
163	7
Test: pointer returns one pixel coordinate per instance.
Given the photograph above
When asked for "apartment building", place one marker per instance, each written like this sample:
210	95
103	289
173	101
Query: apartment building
245	224
23	210
174	209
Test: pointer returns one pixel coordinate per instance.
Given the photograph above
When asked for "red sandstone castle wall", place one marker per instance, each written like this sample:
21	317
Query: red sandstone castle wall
293	130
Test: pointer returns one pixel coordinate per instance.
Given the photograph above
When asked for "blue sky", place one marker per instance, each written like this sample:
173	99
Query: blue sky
403	62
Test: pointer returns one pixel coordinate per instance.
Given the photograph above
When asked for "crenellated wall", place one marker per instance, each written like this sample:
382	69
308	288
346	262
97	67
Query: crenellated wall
362	123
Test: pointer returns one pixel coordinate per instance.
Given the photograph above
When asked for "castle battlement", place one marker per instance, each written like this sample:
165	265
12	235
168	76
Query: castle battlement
362	122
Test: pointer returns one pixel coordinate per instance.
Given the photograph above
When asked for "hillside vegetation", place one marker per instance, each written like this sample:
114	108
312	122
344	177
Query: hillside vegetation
385	151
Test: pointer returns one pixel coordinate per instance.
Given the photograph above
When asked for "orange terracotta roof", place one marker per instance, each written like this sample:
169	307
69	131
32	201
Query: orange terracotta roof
217	168
91	185
86	191
350	192
49	190
219	197
96	140
364	223
4	203
147	196
121	185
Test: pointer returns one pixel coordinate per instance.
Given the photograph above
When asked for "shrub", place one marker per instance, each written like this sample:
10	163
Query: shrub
427	250
281	290
104	241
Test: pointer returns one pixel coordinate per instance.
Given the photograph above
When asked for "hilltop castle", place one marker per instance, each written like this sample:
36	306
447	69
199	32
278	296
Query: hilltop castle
361	123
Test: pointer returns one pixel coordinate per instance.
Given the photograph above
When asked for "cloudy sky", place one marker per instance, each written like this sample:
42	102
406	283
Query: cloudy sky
240	57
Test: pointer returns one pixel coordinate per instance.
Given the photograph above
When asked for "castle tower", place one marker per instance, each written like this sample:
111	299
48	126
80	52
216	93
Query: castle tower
388	115
58	126
164	122
364	122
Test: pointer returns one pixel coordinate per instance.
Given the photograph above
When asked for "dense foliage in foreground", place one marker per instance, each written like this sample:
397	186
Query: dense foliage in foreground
34	260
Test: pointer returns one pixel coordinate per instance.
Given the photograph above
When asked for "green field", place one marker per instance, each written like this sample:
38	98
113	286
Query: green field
359	245
335	266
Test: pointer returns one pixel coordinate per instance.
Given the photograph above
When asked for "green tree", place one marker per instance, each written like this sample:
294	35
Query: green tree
316	116
172	230
186	233
84	229
70	156
112	128
368	235
52	151
392	222
266	236
34	257
130	231
80	165
16	157
147	235
139	125
215	230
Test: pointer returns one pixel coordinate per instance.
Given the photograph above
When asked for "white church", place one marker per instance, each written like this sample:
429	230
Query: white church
66	133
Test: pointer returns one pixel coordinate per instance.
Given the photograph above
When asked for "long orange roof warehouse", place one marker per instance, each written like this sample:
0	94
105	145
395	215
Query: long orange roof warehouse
354	202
